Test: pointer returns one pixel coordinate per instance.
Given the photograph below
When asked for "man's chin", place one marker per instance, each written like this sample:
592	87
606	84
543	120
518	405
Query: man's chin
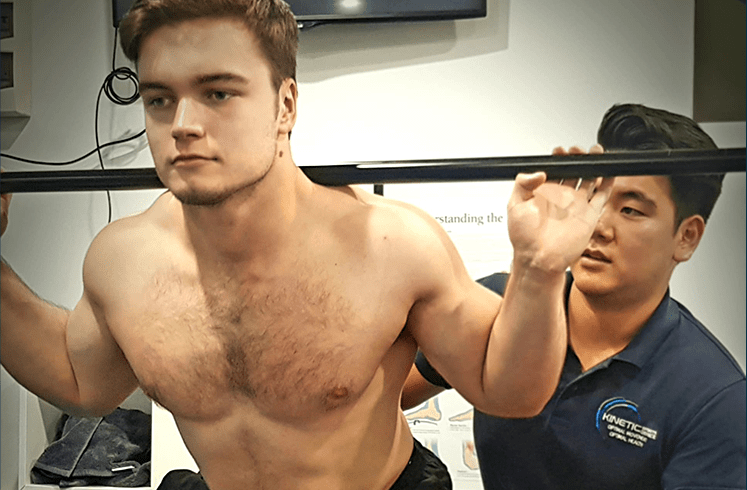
590	283
205	199
202	194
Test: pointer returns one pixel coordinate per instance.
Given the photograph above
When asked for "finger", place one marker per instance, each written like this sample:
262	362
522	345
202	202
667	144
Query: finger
575	183
586	187
576	150
529	182
601	193
590	199
524	186
596	149
556	195
6	200
4	214
572	182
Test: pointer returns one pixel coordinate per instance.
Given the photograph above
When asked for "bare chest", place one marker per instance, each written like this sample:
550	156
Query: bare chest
290	348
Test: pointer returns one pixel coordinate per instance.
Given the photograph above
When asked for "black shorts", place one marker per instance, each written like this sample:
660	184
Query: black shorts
424	471
182	480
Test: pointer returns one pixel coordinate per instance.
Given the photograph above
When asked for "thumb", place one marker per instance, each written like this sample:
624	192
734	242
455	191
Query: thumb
528	182
524	187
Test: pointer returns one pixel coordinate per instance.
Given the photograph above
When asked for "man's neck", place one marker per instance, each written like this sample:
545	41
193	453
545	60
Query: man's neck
254	225
601	326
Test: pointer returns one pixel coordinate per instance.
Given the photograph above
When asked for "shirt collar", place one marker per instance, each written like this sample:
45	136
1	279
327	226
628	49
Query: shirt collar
652	334
648	339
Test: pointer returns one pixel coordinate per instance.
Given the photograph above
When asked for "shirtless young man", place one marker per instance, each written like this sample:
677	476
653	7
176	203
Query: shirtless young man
274	318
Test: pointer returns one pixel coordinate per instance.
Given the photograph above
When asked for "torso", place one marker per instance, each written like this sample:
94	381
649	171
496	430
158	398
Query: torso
583	439
289	381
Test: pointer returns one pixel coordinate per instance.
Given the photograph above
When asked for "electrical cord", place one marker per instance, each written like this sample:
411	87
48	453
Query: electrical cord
70	162
107	88
123	73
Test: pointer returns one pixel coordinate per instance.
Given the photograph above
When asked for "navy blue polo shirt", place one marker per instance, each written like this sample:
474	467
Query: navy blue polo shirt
668	412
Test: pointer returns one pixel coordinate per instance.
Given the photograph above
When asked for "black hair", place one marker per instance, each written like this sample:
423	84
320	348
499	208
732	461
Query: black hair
635	127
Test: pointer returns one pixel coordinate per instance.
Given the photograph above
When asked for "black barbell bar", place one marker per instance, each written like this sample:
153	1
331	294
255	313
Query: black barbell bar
658	162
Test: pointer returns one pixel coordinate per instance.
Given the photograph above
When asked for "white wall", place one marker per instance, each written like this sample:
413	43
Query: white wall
533	75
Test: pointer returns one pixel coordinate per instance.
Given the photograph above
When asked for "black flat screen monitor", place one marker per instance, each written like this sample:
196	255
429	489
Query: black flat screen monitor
315	12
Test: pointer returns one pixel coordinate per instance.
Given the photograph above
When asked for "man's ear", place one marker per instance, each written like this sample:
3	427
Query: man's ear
688	237
287	99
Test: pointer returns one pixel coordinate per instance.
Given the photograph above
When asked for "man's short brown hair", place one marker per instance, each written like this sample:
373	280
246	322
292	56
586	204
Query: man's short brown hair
271	21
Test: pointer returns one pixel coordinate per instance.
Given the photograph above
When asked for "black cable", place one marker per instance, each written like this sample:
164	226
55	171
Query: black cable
70	162
121	73
98	146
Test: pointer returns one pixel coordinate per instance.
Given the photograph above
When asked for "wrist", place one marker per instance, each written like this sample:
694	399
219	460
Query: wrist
540	264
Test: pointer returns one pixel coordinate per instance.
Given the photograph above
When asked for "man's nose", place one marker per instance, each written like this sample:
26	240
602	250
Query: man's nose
187	121
604	229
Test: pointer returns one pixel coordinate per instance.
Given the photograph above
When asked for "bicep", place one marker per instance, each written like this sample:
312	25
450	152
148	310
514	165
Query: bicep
452	323
451	315
101	370
454	333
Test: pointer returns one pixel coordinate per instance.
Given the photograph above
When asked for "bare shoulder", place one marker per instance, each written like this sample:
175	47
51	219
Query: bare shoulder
415	240
395	213
123	243
119	236
422	254
400	218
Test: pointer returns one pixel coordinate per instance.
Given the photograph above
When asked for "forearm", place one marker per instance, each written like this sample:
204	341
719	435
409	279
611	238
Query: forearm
417	389
526	347
34	347
549	226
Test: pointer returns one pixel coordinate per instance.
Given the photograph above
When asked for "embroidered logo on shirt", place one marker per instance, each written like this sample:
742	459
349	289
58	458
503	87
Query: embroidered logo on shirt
618	418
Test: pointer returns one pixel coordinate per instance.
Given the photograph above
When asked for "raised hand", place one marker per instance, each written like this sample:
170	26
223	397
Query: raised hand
550	223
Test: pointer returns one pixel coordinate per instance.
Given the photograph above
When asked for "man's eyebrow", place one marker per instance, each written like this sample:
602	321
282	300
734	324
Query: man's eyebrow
220	77
200	80
638	196
143	86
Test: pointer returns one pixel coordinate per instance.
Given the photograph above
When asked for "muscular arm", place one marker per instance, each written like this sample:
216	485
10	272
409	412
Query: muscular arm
505	356
69	358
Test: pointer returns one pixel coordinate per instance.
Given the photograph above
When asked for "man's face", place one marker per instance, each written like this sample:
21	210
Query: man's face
211	112
632	250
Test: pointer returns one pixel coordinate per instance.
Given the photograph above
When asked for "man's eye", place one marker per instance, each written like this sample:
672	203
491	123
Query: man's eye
631	211
156	102
220	95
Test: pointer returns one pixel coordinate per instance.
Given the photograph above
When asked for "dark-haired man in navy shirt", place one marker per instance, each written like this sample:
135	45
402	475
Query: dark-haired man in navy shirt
648	397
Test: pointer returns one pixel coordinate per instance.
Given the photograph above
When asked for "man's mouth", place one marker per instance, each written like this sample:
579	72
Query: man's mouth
596	255
190	158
